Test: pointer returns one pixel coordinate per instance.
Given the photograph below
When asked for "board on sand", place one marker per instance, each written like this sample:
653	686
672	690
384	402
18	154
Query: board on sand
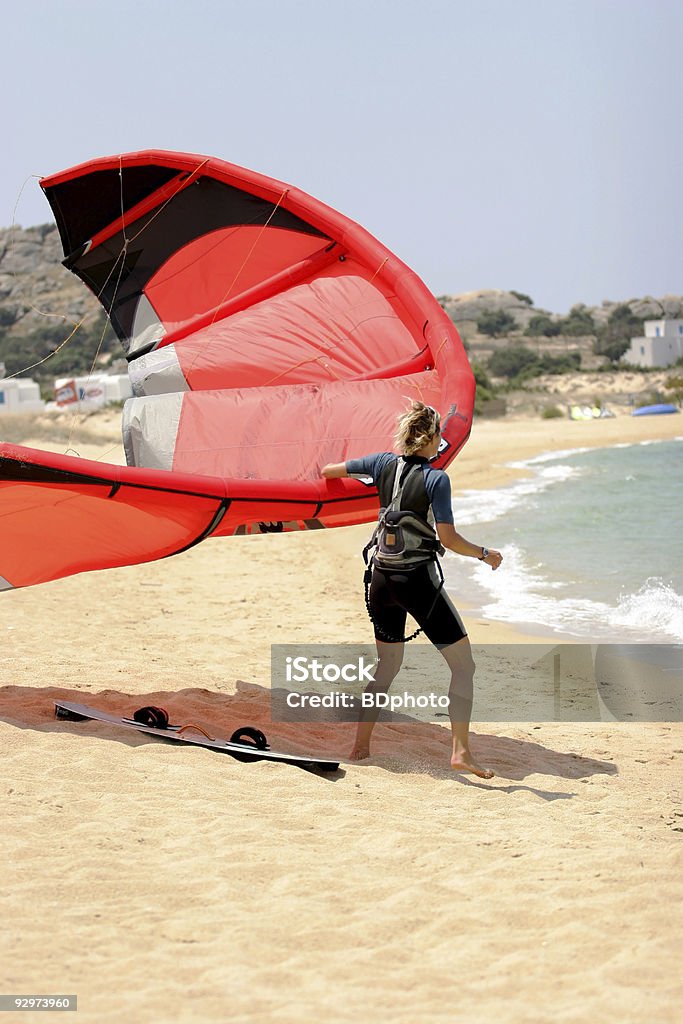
182	734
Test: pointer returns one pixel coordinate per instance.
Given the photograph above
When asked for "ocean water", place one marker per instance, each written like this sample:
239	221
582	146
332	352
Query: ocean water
592	543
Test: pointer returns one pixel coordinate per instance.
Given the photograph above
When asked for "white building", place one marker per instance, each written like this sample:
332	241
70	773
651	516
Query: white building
662	344
92	392
20	395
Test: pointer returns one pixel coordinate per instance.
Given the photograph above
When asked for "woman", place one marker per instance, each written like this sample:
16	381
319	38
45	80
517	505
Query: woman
395	592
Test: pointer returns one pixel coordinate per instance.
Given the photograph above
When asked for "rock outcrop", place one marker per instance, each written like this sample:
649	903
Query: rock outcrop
466	309
33	282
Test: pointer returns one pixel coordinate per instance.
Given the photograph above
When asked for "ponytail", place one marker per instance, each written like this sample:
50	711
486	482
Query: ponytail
416	428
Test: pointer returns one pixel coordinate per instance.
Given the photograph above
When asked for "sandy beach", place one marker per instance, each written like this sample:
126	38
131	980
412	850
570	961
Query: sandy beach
168	884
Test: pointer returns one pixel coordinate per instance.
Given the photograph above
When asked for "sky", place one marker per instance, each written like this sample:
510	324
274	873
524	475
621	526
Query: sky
525	144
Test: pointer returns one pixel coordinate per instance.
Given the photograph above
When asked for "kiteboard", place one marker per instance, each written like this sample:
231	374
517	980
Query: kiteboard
196	736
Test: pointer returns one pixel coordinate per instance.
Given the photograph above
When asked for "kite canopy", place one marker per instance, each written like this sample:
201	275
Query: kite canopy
266	335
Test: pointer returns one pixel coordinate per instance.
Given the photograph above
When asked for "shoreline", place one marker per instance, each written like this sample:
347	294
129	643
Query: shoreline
482	464
517	439
523	440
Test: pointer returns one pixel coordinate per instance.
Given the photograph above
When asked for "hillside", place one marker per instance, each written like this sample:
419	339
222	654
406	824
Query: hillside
32	278
467	310
41	302
40	305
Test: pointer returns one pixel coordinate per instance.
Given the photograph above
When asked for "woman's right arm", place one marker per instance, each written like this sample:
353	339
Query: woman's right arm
366	465
334	470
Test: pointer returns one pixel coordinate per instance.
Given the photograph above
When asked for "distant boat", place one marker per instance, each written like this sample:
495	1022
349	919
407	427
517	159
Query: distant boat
655	410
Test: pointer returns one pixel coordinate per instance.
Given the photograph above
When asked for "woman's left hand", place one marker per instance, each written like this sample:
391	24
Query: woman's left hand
494	558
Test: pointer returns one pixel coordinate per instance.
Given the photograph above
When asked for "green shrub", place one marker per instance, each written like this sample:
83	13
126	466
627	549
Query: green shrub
522	297
551	412
674	384
8	315
614	337
570	362
579	322
520	364
485	390
542	326
19	351
511	361
481	377
495	323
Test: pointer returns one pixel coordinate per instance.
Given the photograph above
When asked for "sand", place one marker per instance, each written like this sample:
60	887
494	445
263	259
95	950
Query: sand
167	884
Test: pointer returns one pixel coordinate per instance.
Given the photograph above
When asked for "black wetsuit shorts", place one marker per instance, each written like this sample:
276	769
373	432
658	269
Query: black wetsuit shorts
393	594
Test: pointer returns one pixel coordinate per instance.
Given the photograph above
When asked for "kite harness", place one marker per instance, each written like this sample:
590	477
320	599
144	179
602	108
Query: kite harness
403	540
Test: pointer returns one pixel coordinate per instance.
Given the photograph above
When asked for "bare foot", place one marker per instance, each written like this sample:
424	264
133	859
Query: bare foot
464	762
359	753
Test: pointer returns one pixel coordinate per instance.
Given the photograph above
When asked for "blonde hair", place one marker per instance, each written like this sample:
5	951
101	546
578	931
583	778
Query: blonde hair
416	428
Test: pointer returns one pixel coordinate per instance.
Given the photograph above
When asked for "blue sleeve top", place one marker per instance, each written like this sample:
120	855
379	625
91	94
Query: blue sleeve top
437	484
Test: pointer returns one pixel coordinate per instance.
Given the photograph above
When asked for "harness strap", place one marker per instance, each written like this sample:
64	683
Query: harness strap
400	463
382	633
396	496
397	492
